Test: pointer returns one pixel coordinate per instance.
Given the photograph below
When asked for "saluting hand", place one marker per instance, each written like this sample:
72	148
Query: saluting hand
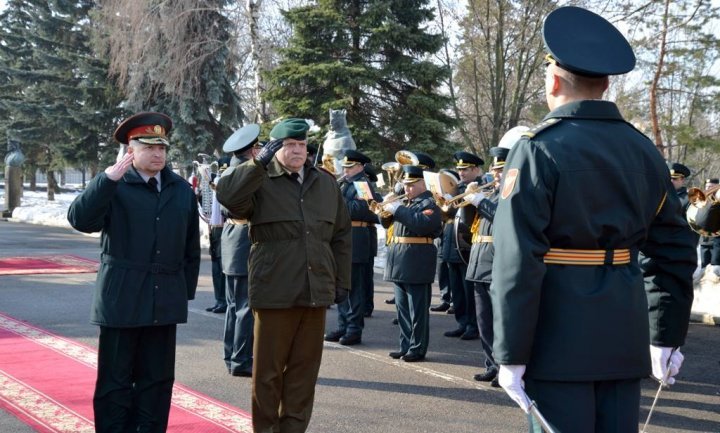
268	151
118	170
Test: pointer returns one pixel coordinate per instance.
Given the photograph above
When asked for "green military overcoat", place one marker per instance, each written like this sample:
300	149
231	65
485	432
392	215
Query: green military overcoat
585	179
300	233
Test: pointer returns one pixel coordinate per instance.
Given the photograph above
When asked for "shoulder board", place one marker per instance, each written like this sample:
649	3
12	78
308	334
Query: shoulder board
545	124
326	171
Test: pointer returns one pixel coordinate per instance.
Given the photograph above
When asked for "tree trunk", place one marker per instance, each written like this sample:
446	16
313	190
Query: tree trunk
13	187
255	48
32	178
51	185
657	133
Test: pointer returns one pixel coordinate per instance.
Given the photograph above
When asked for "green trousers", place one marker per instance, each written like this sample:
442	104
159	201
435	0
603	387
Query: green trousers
611	406
288	345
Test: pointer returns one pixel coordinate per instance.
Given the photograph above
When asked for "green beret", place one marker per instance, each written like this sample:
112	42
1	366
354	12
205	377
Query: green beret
291	128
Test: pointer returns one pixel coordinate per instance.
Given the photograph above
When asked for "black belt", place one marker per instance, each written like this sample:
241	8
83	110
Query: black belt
154	268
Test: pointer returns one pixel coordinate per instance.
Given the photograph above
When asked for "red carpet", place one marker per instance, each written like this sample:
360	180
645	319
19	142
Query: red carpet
66	264
47	381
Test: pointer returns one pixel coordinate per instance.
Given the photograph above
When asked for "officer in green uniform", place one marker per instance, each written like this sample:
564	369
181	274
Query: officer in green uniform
571	316
351	313
411	260
149	268
299	264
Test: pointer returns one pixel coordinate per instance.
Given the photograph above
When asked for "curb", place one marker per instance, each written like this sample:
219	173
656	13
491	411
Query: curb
706	318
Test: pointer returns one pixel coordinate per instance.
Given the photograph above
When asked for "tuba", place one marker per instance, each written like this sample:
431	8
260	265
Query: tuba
394	168
703	213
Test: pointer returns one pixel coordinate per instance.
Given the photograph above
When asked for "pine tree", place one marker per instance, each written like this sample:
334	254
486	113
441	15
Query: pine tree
59	104
369	57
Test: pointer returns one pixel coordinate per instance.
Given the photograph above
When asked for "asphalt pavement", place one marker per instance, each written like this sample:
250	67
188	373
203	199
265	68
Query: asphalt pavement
360	389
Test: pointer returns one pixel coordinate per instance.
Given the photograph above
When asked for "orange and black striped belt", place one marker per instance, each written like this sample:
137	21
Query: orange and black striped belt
482	239
235	221
410	240
562	256
360	223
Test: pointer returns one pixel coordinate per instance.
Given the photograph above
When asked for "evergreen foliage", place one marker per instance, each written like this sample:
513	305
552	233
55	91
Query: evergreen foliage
371	58
55	97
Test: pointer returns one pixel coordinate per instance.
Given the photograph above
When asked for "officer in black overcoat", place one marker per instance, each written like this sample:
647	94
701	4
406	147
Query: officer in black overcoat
150	261
351	313
576	326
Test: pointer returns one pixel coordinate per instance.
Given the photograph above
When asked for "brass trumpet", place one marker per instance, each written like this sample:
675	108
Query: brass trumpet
379	208
457	200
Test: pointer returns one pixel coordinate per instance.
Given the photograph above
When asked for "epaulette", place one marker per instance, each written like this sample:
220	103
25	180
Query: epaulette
545	124
325	170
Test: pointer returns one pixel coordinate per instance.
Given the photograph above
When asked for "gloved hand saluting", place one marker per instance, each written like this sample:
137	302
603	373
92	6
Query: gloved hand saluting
666	363
268	151
510	378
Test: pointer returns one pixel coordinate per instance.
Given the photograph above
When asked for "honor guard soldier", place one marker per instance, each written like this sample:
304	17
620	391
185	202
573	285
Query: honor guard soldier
479	270
351	313
243	144
148	216
569	303
411	260
456	249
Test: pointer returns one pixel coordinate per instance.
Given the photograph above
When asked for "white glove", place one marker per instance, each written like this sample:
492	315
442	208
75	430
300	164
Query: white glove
663	370
716	269
510	378
392	206
475	198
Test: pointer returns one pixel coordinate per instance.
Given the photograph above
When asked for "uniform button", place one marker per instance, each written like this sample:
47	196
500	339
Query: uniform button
309	268
156	287
157	252
301	200
308	232
157	219
155	321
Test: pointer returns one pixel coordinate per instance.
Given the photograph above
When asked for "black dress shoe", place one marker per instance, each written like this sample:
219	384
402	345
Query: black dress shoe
220	309
486	376
242	373
334	336
470	335
350	340
210	309
442	307
395	321
454	333
396	355
494	383
450	310
390	301
411	357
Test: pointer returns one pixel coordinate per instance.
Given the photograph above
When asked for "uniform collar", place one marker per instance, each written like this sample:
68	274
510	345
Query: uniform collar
587	109
275	169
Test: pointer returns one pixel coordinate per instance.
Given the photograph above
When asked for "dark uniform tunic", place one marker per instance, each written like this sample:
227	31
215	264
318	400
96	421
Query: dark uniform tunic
411	266
588	180
351	313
